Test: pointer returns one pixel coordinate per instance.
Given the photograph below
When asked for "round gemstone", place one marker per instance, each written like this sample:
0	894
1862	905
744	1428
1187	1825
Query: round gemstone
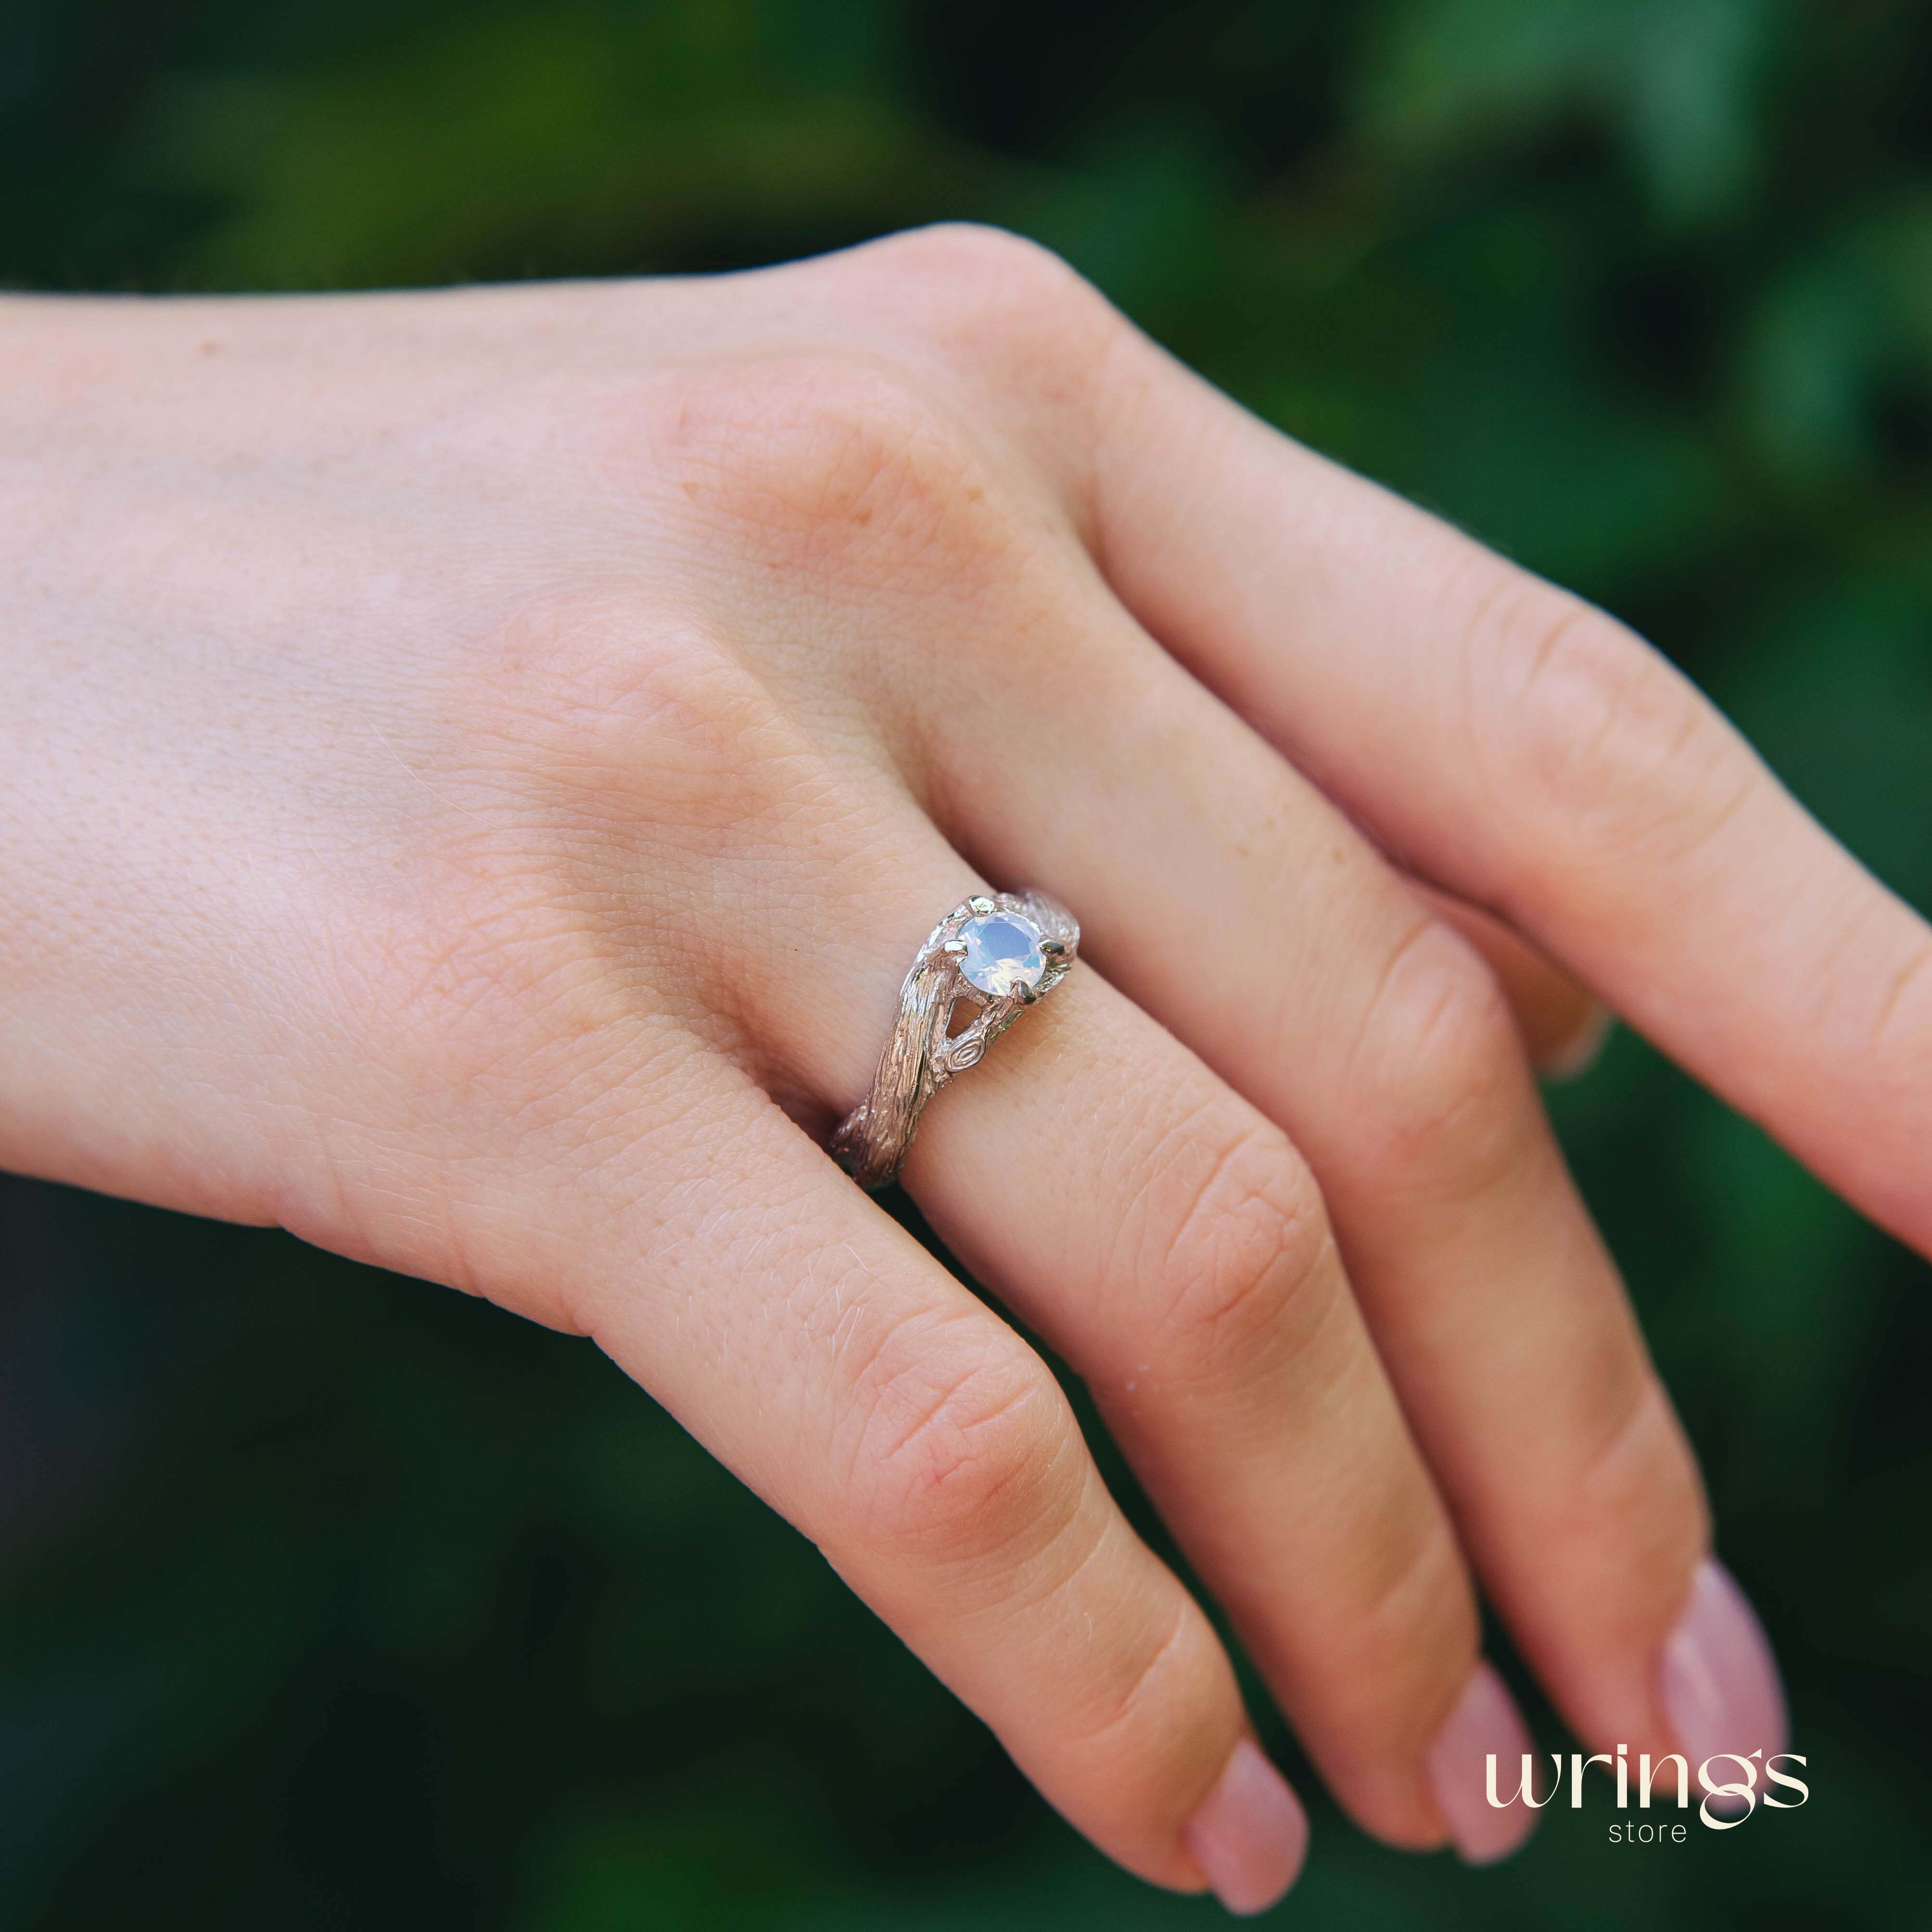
1002	954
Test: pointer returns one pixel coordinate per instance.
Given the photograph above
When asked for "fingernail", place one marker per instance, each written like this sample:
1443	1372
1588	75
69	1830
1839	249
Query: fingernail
1584	1048
1720	1684
1249	1834
1484	1722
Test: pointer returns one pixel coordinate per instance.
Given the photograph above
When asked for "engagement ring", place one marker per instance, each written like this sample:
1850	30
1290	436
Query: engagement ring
999	954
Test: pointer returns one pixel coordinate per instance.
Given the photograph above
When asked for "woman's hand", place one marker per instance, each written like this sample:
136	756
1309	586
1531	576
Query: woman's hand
478	766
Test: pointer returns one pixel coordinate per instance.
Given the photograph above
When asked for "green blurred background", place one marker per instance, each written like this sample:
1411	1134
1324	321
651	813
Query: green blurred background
334	1600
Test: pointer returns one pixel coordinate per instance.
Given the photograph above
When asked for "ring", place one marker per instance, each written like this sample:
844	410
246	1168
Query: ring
1000	954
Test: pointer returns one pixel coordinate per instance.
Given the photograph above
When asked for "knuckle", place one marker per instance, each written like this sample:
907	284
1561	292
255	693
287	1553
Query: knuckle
635	722
982	271
1606	741
1173	1665
1024	331
839	466
600	758
1412	1623
1439	1057
1245	1261
966	1448
1637	1496
1898	1036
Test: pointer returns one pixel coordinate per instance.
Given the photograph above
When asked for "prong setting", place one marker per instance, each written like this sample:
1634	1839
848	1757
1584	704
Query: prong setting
1002	954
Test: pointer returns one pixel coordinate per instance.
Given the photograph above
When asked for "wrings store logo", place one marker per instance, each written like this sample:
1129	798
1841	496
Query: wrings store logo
1726	1804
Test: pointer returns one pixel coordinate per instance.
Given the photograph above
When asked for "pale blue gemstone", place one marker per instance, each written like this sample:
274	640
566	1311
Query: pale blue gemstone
1002	954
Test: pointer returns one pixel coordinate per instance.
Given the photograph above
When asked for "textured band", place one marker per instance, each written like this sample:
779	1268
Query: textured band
1000	953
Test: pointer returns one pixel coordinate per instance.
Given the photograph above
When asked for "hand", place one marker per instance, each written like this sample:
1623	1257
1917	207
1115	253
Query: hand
479	767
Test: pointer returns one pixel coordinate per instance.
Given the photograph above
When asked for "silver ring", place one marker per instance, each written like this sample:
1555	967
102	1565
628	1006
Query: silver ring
1000	954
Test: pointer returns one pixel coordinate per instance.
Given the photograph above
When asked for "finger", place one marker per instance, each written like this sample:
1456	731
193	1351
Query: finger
1563	1027
717	1256
1532	755
1234	903
1172	1244
1176	1252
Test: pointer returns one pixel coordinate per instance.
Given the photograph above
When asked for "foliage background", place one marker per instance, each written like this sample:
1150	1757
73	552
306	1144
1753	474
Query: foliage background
331	1599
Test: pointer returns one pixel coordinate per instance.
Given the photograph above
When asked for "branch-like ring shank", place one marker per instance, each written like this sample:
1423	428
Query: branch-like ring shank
919	1058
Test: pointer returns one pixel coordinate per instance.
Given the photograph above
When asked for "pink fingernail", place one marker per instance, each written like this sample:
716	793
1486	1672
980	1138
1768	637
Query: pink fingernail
1484	1722
1249	1834
1720	1683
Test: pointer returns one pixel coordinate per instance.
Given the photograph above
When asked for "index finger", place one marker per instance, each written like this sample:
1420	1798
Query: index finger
1512	742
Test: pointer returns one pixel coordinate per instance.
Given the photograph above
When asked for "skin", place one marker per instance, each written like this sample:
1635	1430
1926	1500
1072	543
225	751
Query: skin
478	765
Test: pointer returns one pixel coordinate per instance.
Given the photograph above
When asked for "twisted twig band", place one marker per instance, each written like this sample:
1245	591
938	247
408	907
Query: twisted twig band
1001	953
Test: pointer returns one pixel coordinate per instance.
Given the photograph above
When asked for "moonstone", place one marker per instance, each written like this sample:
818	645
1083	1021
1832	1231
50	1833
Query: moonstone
1002	954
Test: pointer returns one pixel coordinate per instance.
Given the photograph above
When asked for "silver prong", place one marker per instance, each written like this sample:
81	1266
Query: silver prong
870	1141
